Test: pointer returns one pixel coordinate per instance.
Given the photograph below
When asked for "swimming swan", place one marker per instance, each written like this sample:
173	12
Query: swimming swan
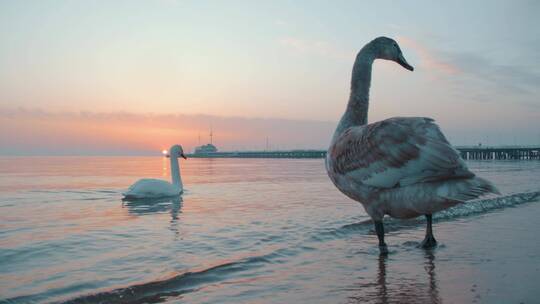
401	166
148	188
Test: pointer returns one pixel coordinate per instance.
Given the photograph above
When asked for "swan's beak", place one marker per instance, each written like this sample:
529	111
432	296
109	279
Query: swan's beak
183	156
401	60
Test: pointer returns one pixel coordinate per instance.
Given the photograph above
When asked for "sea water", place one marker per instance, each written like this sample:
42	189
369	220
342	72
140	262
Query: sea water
244	231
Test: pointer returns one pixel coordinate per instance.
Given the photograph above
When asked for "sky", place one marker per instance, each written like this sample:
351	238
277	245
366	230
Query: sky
134	77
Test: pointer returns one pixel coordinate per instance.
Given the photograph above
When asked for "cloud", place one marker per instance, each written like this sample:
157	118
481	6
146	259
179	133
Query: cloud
478	74
428	58
315	47
37	132
513	79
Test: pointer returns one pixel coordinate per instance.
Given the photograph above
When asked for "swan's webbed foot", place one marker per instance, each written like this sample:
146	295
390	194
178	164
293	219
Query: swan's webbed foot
429	241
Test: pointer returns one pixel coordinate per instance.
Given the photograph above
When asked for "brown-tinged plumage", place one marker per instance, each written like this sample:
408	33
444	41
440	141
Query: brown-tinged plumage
402	166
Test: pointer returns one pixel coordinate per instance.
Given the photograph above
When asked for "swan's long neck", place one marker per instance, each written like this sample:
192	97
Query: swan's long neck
175	173
357	108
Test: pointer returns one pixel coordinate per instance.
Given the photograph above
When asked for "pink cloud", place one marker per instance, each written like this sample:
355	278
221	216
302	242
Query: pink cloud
89	133
428	59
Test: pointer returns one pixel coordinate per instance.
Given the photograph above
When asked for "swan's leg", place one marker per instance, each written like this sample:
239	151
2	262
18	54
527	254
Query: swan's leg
429	241
379	228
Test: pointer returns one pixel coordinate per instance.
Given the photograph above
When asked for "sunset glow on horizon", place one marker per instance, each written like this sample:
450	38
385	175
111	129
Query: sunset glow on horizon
123	77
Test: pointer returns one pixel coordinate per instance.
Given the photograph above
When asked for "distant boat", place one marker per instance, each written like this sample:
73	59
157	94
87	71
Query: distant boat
205	149
208	148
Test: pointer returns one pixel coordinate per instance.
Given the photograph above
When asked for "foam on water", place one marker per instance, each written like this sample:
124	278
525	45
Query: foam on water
474	207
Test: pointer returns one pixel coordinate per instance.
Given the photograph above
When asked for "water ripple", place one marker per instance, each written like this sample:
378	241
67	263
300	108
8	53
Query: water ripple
471	208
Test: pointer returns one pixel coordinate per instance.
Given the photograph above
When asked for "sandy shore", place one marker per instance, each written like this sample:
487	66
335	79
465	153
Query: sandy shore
492	258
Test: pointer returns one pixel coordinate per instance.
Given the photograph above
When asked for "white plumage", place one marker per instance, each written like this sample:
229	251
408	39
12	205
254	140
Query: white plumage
152	188
149	188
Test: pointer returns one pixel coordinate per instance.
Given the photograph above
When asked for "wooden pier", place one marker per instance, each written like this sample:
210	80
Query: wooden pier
263	154
468	153
499	153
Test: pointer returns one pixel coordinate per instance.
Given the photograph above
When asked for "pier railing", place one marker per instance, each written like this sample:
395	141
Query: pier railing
466	152
500	152
264	154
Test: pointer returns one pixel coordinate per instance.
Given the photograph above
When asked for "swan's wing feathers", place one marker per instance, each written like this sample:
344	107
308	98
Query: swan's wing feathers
149	187
397	152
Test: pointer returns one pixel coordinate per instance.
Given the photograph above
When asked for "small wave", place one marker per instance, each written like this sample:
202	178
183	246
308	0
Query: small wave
90	194
109	191
173	287
79	191
43	191
159	291
471	208
481	206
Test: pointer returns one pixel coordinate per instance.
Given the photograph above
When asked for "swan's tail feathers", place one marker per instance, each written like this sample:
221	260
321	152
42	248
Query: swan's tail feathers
467	189
488	186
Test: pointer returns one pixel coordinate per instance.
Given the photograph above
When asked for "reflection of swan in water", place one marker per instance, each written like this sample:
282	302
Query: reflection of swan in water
430	268
158	205
156	188
400	289
381	280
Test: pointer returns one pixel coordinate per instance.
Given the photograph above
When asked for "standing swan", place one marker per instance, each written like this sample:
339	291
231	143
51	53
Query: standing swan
401	166
148	188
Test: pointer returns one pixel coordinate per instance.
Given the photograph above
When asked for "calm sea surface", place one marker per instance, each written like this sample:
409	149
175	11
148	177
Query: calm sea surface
244	231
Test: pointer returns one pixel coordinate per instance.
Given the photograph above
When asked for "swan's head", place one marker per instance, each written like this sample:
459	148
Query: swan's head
177	151
386	48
